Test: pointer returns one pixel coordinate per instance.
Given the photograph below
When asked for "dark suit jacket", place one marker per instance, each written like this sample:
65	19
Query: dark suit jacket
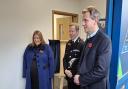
95	61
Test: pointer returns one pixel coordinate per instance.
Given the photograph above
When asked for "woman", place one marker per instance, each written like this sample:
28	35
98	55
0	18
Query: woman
38	63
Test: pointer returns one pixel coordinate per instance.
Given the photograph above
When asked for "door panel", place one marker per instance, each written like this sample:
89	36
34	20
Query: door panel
63	27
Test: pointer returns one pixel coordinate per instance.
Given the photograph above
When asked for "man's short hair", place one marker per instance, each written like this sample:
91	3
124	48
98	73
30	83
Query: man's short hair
94	13
76	26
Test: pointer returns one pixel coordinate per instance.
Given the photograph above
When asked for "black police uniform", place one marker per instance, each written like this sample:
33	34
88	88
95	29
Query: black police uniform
71	59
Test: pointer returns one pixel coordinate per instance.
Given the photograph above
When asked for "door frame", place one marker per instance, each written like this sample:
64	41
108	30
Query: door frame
73	15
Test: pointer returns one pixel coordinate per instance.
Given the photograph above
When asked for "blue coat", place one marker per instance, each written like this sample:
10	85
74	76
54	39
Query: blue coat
43	57
95	62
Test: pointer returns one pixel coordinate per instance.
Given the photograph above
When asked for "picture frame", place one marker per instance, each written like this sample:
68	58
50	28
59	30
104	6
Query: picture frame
102	23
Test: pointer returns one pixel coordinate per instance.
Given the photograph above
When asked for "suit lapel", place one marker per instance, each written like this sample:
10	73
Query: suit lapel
86	49
90	44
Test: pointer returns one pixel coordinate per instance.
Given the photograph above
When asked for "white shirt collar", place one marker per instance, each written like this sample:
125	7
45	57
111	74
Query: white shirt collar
75	39
92	34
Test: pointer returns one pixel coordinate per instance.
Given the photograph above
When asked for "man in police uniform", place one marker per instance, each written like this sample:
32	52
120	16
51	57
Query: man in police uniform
72	55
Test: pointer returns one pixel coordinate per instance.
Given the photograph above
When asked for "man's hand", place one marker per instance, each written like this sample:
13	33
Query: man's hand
76	79
68	73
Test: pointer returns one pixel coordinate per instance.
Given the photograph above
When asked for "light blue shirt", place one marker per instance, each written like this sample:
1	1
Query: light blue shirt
92	34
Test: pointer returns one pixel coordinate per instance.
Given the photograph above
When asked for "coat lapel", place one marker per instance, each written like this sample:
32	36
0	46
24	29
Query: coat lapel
86	49
90	43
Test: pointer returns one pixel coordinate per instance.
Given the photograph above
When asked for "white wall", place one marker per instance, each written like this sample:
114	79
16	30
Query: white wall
18	20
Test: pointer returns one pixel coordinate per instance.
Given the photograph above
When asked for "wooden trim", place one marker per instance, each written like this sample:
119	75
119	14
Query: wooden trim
53	25
64	13
63	41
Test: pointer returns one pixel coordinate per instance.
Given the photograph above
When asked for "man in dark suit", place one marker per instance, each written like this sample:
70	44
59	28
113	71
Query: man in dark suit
95	58
72	55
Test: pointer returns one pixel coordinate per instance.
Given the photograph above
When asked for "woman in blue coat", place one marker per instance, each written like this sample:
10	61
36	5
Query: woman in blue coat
38	63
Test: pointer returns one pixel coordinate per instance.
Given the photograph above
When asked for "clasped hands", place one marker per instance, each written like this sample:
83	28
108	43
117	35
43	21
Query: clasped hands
68	73
76	77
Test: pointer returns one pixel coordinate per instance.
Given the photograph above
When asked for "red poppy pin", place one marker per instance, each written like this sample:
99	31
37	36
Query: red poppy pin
89	45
